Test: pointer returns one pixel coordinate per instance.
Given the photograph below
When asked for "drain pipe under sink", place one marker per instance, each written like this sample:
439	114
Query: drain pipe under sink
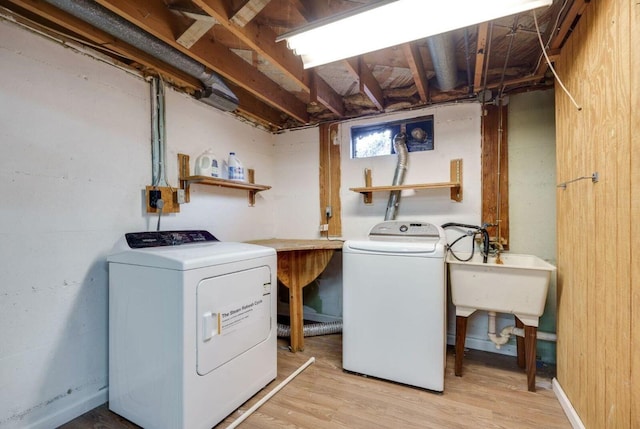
500	339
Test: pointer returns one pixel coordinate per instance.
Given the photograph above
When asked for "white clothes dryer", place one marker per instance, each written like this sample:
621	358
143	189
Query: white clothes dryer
394	304
192	327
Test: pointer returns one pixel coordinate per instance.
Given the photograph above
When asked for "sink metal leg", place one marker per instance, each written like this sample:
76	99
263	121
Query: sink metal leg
461	333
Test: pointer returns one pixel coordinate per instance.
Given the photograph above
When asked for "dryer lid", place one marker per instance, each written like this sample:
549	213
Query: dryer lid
186	256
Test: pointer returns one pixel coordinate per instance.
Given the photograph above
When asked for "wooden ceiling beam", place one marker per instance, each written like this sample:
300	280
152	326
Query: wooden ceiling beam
256	109
156	19
559	37
480	53
248	11
200	26
322	93
576	9
416	65
369	86
263	40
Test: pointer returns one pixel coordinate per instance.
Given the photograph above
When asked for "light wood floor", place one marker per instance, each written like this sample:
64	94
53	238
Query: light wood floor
492	393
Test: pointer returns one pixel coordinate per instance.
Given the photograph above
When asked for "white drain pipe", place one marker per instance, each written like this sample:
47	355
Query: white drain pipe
276	389
545	336
505	334
501	339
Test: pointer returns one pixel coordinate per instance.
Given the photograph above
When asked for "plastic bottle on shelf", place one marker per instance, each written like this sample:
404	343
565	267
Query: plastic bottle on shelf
207	164
236	171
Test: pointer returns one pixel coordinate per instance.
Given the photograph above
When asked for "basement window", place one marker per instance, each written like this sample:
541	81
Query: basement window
377	139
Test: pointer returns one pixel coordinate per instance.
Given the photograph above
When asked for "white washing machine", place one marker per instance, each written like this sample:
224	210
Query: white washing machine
394	304
192	327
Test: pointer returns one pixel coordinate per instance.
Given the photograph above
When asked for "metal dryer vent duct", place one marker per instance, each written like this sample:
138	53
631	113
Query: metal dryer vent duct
443	56
216	92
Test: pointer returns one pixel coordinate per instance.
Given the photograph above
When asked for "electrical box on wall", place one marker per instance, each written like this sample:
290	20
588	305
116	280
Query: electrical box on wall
168	195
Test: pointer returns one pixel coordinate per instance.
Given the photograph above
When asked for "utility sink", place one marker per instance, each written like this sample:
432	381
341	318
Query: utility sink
518	286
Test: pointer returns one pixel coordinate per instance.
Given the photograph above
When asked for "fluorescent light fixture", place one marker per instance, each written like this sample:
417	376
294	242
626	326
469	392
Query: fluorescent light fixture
393	22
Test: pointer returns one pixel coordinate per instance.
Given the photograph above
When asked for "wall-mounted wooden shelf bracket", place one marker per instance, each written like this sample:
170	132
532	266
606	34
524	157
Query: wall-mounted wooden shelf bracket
455	184
186	179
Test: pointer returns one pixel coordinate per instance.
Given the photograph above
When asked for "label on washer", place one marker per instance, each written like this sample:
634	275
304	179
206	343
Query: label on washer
242	314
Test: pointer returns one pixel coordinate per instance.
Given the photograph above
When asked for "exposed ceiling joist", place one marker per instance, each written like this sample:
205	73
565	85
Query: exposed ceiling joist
576	10
254	109
248	11
414	59
480	53
259	38
157	20
262	39
200	26
322	93
369	86
271	85
561	33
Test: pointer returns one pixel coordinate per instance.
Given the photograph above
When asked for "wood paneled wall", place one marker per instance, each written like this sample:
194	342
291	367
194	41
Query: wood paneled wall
598	223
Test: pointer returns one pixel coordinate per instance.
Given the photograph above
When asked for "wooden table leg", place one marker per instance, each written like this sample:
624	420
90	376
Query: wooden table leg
461	334
530	337
520	345
296	269
295	318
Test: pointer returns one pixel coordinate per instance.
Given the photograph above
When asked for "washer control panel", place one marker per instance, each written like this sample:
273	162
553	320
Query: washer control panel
139	240
395	228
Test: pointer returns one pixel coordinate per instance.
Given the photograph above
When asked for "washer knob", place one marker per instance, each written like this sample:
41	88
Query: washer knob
404	228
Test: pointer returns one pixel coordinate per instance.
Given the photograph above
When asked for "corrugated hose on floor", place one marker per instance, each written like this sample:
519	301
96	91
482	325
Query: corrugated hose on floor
312	329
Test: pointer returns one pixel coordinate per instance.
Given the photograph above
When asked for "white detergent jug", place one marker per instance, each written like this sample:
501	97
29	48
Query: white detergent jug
208	165
236	171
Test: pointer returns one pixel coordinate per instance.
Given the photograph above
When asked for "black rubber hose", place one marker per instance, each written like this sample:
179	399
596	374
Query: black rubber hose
461	225
485	240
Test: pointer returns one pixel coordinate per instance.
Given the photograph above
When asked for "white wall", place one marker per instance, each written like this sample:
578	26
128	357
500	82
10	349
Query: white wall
457	135
297	184
75	157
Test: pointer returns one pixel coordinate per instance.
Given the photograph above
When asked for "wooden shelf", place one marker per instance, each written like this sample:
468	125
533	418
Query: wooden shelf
455	184
186	180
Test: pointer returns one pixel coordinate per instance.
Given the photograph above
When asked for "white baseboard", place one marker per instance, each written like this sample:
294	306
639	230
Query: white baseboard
573	417
72	411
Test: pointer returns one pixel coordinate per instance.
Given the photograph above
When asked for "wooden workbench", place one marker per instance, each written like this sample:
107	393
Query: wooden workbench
299	263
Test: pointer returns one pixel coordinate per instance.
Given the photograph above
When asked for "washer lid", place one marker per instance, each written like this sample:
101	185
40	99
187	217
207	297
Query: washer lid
430	248
187	256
